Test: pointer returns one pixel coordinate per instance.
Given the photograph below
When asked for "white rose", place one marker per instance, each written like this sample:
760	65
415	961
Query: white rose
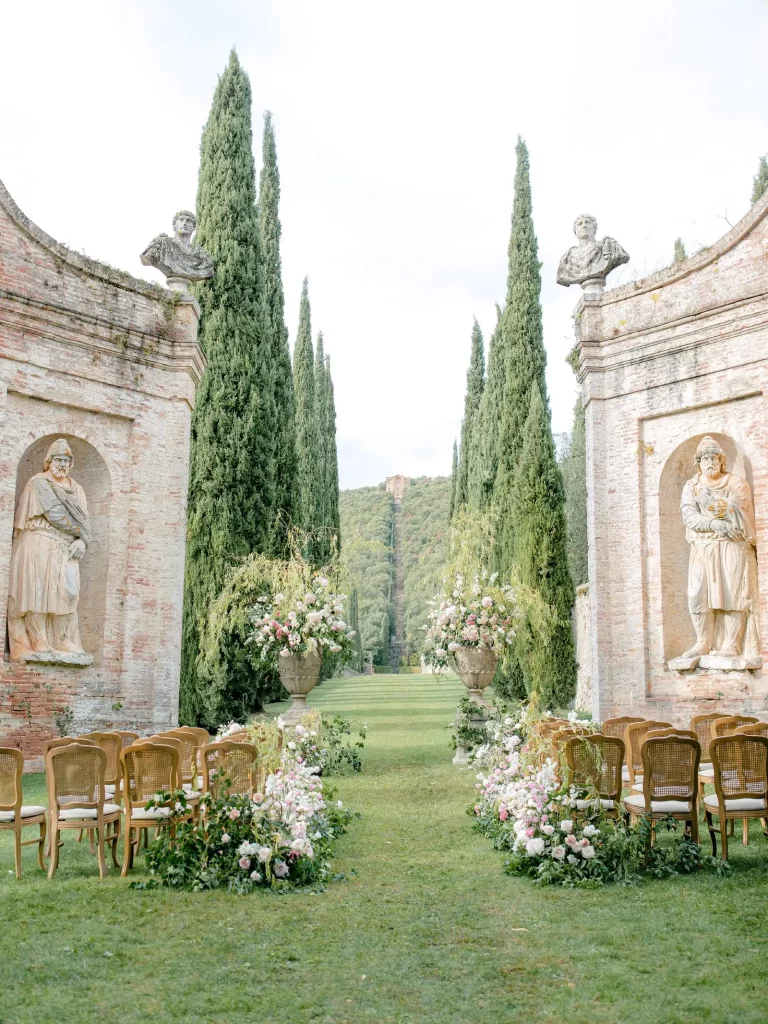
534	847
558	852
590	830
264	854
547	829
572	859
587	852
566	826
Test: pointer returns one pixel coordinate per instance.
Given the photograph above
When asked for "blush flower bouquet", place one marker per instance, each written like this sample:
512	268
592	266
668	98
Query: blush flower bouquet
481	614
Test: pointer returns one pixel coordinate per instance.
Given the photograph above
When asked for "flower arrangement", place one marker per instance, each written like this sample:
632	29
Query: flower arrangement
321	744
481	614
309	620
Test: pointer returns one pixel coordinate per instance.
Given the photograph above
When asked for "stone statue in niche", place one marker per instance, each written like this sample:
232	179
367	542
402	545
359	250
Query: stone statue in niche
592	260
179	258
51	533
723	600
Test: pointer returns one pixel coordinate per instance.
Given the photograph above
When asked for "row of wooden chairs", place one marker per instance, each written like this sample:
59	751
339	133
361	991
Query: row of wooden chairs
670	765
98	781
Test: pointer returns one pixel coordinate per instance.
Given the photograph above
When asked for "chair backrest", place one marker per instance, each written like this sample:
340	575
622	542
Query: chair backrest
670	768
702	726
203	736
228	766
634	734
64	741
11	772
111	744
671	731
596	761
149	768
741	766
756	729
616	727
728	726
189	752
75	774
126	737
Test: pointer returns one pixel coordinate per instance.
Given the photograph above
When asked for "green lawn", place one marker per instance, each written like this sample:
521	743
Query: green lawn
428	929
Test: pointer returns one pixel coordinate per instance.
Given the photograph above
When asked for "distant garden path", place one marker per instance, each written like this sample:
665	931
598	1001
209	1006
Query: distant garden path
427	929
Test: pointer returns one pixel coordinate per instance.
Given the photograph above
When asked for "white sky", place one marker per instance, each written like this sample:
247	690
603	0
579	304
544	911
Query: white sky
396	126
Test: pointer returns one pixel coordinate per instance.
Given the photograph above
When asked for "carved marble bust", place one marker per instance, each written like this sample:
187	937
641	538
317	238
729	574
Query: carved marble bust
179	258
590	262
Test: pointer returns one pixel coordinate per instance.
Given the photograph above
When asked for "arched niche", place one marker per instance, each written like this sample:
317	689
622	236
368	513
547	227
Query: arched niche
674	549
92	473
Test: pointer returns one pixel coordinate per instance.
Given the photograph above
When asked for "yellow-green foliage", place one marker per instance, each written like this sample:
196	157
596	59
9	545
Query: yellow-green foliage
367	561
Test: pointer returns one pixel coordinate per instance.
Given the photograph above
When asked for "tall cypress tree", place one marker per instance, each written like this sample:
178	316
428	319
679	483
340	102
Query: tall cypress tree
231	494
274	300
321	468
574	473
306	517
522	342
541	557
475	386
332	462
760	180
453	504
483	453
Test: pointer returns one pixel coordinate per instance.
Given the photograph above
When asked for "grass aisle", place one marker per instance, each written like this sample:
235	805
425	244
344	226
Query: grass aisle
427	930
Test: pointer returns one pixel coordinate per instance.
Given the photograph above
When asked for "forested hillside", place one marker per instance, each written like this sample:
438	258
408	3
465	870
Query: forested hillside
368	558
425	527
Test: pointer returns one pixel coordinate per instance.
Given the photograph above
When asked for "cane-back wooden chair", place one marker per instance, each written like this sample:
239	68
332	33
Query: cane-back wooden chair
111	744
126	737
741	786
703	725
150	767
727	726
76	774
616	727
670	781
634	734
203	736
15	815
228	767
756	729
64	741
595	761
191	774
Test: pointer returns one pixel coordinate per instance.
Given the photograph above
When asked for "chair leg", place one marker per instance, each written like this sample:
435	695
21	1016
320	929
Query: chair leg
127	852
41	845
100	840
745	831
53	847
17	850
711	828
695	826
91	844
724	837
115	839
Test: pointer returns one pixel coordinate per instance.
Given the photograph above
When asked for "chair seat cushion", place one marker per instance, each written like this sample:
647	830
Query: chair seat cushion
153	814
706	766
625	774
638	787
85	813
745	803
30	811
110	790
707	771
584	805
636	804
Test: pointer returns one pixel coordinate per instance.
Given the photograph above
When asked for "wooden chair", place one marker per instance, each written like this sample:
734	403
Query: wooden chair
203	736
149	768
756	729
229	766
126	737
75	775
634	734
702	726
728	726
64	741
596	761
741	785
111	744
191	779
670	781
15	815
615	727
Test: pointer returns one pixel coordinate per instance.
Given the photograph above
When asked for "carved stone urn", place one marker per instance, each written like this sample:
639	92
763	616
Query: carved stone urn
476	668
299	674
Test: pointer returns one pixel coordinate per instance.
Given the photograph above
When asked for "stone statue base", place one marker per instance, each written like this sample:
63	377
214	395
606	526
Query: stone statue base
77	658
717	663
593	288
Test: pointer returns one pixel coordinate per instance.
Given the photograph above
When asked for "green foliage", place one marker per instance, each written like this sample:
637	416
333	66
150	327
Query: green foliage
274	299
231	483
574	472
483	452
333	751
471	423
760	181
333	519
680	254
322	469
452	504
307	447
368	563
424	535
353	617
540	555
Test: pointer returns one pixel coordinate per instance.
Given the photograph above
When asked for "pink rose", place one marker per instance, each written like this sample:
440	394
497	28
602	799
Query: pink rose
245	863
503	814
234	814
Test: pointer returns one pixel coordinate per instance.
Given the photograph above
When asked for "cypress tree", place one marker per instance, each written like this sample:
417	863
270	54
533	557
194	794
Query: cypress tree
475	386
332	463
354	624
760	180
231	493
574	473
306	428
274	300
323	547
541	556
483	453
680	254
452	504
522	342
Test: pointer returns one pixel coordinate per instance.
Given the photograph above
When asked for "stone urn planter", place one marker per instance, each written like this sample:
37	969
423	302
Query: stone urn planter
299	674
476	668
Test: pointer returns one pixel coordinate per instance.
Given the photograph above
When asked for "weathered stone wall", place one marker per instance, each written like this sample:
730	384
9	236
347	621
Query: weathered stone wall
663	362
110	363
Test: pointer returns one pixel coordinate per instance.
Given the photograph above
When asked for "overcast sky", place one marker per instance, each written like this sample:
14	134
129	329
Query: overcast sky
396	126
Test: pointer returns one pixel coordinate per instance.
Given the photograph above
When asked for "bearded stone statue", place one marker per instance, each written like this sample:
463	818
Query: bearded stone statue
51	533
179	258
590	262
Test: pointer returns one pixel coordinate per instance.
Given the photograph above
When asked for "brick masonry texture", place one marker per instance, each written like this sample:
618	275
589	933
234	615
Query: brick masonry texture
662	362
111	363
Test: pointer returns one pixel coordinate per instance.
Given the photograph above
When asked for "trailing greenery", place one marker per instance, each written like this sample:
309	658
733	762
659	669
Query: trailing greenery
760	181
574	472
231	485
367	559
424	534
470	424
274	299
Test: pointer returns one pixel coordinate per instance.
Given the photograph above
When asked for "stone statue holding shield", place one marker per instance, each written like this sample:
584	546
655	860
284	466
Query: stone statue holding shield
51	534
